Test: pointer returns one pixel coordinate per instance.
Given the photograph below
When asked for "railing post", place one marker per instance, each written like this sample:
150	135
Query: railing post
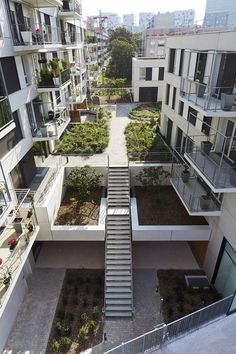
164	335
143	344
123	348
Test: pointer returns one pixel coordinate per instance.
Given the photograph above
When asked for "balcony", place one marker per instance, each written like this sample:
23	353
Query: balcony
193	192
43	3
71	10
47	82
50	124
16	240
214	101
213	159
36	37
92	60
5	200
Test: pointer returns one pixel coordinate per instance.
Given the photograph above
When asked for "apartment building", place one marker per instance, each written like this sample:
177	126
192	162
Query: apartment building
148	79
42	82
128	21
220	13
176	19
113	20
144	20
153	42
199	121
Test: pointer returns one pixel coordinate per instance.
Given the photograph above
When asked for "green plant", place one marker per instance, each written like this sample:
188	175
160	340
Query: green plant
65	342
84	179
92	325
56	346
95	313
152	176
7	277
62	329
83	334
55	67
46	76
65	65
84	318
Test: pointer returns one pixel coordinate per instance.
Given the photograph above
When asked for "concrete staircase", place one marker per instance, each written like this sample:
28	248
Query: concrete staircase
118	276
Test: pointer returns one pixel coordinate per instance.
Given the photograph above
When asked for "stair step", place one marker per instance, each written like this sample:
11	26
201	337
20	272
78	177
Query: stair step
115	290
118	246
118	262
118	256
114	204
119	308
116	302
115	217
117	252
118	227
118	272
118	267
117	278
118	232
118	296
119	314
119	188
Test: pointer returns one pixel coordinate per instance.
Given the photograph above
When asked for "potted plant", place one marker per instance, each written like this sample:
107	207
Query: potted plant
12	243
206	147
185	175
30	227
55	69
205	201
27	237
7	277
46	77
17	224
26	34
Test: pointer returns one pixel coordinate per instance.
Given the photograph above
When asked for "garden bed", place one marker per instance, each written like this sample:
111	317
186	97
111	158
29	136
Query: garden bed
145	143
163	207
73	211
87	138
179	299
146	111
78	322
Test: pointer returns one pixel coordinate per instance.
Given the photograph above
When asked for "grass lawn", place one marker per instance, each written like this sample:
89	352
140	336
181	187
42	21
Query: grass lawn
78	322
180	300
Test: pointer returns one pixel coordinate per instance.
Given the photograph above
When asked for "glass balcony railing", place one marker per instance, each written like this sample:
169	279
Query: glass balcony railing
47	80
208	97
5	113
194	193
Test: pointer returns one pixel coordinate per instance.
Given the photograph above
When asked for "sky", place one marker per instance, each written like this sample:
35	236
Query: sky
92	7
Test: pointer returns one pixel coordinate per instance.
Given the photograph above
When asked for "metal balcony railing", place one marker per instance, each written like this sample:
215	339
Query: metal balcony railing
48	81
72	6
5	112
207	96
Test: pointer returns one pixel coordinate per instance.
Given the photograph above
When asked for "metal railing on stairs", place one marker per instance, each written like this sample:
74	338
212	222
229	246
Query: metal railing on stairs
165	334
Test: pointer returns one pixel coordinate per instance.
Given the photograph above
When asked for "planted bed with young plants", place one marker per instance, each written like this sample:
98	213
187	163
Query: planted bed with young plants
78	322
87	138
146	111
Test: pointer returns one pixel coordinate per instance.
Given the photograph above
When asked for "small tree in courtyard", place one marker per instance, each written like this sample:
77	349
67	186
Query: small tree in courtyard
83	179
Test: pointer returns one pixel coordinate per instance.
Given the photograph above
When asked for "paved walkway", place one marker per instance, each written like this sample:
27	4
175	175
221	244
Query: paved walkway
146	313
31	330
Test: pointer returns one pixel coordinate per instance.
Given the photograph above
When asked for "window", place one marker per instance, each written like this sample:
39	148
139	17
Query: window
10	74
181	62
192	116
200	66
206	125
173	98
142	73
167	93
181	108
172	61
148	74
161	74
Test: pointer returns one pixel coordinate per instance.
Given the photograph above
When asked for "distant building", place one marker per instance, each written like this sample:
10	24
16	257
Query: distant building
113	20
220	13
145	20
153	43
129	21
177	19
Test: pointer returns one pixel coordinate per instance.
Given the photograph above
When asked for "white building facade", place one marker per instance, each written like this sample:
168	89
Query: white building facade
199	121
220	13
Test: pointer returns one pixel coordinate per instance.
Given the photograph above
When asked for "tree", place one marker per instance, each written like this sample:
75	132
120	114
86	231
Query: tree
122	53
84	179
122	34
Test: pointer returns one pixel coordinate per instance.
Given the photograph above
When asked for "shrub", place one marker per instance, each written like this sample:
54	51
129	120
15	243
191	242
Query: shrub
84	318
65	342
62	329
92	325
83	334
56	346
84	179
95	312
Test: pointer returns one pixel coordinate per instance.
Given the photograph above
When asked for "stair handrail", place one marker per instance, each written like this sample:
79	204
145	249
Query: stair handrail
130	220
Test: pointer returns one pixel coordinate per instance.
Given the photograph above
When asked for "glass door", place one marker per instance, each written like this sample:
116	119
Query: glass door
225	281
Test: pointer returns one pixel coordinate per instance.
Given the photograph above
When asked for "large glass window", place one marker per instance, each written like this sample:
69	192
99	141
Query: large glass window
225	281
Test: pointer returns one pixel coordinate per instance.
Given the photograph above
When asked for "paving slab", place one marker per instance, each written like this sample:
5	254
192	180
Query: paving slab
31	330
